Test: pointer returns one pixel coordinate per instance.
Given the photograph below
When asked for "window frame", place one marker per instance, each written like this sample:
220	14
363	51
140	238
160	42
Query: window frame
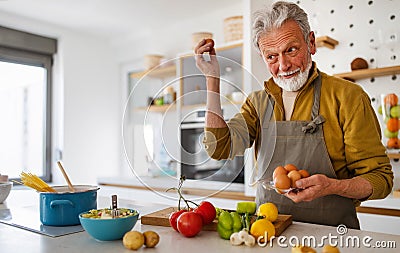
39	60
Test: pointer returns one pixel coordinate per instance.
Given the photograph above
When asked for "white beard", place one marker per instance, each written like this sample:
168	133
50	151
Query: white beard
295	83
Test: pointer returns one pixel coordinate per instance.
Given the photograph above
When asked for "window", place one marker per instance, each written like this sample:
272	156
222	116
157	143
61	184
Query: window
25	103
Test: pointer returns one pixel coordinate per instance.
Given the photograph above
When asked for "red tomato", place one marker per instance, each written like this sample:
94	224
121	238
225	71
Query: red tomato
173	217
189	224
207	212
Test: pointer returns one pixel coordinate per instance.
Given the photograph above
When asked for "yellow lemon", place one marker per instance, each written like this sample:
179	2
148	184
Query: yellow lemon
269	211
264	228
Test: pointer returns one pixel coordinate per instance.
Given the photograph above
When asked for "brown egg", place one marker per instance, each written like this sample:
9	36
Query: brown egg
279	171
294	175
290	167
282	182
210	41
304	173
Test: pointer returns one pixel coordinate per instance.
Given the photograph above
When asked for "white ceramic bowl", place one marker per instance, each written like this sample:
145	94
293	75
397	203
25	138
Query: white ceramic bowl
5	188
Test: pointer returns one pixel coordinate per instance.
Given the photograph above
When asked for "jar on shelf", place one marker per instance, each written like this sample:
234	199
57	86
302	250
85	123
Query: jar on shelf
169	95
233	28
198	36
390	111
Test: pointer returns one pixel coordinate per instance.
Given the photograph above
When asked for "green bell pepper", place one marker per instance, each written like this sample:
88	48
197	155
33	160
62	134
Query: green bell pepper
246	207
228	223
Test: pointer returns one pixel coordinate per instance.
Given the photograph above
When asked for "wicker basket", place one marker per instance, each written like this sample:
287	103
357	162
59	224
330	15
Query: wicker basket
233	28
197	37
152	60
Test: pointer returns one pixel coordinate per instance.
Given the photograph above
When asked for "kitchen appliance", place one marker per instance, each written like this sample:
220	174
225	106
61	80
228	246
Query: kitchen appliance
195	162
62	208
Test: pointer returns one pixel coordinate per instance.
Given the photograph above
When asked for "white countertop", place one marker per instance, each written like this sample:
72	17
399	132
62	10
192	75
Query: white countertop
14	239
389	202
167	182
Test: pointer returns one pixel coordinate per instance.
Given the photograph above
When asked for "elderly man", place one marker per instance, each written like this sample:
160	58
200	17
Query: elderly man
304	117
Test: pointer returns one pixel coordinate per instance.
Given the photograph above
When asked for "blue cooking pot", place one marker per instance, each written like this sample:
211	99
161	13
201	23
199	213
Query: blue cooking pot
62	208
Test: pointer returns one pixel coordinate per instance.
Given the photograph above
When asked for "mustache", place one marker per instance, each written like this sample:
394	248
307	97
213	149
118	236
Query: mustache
289	72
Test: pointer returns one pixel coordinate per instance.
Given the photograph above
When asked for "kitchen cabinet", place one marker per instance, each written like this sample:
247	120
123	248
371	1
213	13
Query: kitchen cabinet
148	85
195	162
145	124
156	146
164	142
192	81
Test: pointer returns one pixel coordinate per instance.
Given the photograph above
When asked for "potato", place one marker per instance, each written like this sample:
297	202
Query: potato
151	239
133	240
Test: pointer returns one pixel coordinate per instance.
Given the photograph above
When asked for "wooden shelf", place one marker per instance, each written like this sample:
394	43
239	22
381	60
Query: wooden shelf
161	72
326	41
157	108
394	155
368	73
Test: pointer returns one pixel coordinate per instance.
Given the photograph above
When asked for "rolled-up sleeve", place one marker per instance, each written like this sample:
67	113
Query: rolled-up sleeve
365	153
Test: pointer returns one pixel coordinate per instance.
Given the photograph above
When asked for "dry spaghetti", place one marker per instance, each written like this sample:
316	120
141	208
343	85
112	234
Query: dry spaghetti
33	181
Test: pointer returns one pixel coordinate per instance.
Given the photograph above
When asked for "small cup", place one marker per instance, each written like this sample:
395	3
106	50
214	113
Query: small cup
3	178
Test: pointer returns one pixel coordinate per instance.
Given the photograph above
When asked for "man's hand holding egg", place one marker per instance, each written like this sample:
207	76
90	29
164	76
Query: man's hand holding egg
211	43
210	68
285	177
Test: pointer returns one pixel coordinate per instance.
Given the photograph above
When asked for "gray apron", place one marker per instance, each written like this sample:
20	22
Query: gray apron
302	144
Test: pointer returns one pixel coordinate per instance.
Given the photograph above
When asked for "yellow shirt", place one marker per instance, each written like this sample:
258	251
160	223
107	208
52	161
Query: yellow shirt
351	130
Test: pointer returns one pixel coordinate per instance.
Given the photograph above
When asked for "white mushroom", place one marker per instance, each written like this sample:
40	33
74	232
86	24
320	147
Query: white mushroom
243	235
250	241
235	240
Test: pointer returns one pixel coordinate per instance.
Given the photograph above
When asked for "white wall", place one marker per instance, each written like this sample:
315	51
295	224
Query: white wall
87	118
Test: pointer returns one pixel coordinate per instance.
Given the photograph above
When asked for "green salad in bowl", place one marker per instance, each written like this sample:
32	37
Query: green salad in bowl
103	226
106	213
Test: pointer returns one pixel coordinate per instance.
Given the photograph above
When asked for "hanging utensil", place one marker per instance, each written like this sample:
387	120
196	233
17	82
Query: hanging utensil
71	188
115	211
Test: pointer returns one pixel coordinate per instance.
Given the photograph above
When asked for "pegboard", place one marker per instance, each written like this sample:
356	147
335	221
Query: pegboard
364	28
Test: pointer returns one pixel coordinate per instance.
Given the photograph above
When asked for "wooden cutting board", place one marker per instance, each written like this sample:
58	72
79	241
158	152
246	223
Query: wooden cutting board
160	218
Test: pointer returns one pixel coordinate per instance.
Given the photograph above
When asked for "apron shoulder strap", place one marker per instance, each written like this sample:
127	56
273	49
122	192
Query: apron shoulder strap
316	119
317	96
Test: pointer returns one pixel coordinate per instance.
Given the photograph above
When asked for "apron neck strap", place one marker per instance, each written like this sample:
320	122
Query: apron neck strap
317	96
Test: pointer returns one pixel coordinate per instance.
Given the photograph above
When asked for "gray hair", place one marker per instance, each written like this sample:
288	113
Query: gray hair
275	16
